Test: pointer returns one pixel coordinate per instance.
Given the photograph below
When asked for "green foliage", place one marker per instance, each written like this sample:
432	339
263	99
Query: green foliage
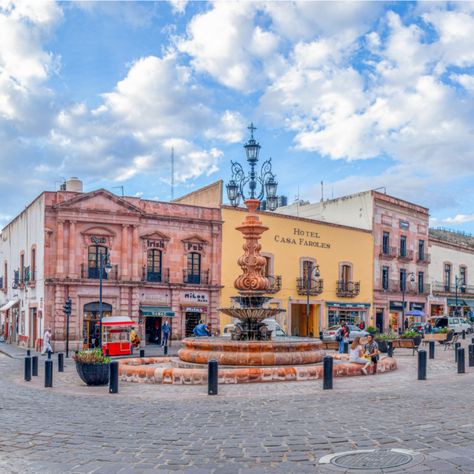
371	329
444	330
390	336
91	356
409	335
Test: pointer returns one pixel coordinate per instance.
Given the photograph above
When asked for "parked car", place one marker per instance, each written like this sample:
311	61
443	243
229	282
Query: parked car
330	333
418	327
458	325
271	323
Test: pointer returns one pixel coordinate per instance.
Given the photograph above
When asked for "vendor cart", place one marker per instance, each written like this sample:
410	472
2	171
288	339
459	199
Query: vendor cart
116	335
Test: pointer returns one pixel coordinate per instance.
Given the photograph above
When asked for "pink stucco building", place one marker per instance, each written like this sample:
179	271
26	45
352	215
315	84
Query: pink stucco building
164	257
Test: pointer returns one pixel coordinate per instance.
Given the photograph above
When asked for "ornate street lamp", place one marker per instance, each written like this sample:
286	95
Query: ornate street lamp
459	285
412	280
103	266
252	185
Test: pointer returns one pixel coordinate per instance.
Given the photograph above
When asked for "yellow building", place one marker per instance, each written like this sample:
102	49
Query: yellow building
295	247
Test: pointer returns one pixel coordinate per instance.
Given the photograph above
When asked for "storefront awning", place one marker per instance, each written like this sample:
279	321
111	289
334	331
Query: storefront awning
469	303
157	311
337	304
9	305
461	302
117	321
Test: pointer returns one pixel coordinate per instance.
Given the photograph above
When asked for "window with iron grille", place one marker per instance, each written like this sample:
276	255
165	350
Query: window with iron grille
385	275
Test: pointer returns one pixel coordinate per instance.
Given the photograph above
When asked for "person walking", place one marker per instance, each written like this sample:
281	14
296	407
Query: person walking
47	342
355	355
342	336
372	351
165	333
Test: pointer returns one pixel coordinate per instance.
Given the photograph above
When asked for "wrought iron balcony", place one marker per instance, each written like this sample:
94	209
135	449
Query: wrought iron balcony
396	286
388	252
315	286
407	255
347	289
1	283
196	278
156	277
275	283
93	273
423	257
440	287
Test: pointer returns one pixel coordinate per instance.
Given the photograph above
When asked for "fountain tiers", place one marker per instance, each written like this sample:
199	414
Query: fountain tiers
277	352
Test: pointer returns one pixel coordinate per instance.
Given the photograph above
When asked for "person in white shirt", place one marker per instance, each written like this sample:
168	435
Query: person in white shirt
47	342
355	354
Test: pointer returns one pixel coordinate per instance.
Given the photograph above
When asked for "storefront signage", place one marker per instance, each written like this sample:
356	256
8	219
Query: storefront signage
304	238
194	246
195	309
196	297
348	305
155	244
98	240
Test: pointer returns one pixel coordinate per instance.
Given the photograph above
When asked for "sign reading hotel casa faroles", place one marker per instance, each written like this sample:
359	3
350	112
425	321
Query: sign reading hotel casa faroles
302	237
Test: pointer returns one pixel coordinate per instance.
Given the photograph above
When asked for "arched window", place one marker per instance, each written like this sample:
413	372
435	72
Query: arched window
194	268
95	253
153	265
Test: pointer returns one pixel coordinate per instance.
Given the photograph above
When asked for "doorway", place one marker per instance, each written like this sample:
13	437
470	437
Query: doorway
379	322
91	324
153	330
33	328
192	320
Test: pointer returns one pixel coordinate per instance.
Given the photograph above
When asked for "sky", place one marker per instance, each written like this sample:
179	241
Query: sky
358	95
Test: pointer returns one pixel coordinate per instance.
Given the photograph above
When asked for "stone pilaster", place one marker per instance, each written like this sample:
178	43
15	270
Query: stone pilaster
72	250
135	253
125	254
60	249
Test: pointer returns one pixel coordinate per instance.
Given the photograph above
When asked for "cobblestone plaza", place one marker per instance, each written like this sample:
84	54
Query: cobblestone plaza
275	427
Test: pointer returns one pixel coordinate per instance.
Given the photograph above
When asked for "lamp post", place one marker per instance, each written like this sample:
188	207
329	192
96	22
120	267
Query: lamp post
309	279
459	283
103	266
412	279
252	185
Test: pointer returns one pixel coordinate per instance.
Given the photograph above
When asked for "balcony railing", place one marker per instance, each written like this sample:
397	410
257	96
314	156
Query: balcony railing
388	252
315	286
196	278
93	273
440	287
407	255
156	277
423	257
1	283
347	289
275	283
395	286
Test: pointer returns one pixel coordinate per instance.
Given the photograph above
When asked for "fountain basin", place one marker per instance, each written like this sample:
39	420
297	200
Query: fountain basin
277	352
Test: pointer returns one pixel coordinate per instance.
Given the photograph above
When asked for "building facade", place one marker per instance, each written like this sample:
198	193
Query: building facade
451	274
400	252
164	264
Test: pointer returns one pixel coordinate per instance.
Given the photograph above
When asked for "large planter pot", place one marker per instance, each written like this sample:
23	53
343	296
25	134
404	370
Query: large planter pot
93	374
383	346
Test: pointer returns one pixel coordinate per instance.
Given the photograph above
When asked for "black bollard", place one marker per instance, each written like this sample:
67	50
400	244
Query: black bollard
461	361
471	355
422	365
389	349
49	354
321	335
113	376
457	345
28	352
463	334
165	350
27	368
212	377
142	352
327	373
48	373
346	348
472	340
60	362
34	366
432	349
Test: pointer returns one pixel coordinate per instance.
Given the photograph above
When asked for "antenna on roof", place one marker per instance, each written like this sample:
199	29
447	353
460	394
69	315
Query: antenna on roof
119	187
172	173
322	191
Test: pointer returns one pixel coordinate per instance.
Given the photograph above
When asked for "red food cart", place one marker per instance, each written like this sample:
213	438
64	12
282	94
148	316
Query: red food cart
116	335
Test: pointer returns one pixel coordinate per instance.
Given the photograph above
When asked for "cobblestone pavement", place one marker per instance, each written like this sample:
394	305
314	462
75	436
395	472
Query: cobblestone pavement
279	427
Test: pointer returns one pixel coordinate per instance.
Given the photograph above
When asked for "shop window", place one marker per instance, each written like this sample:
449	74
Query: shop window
154	257
95	254
194	268
337	317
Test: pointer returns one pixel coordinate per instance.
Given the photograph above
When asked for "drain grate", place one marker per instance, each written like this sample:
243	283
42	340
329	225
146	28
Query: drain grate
381	459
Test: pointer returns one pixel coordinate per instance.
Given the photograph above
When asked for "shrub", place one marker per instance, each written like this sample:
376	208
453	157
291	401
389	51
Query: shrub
92	356
390	336
409	335
371	329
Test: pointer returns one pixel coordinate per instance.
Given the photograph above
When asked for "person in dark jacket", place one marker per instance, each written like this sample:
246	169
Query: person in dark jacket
342	336
201	330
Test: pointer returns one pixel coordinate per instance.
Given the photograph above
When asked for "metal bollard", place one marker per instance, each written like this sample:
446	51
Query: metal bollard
346	348
432	349
28	352
107	353
461	361
321	335
471	355
457	345
422	365
463	334
60	362
142	352
327	372
27	368
165	350
389	349
34	366
48	373
472	340
212	377
49	354
113	376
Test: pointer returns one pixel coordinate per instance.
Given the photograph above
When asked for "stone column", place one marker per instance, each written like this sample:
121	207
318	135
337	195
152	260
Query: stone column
60	249
135	253
124	256
72	249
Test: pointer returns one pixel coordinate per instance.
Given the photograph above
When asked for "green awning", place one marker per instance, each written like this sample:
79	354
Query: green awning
461	302
157	311
469	303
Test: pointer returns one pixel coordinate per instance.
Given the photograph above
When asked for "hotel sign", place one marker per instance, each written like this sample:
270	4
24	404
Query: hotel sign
304	238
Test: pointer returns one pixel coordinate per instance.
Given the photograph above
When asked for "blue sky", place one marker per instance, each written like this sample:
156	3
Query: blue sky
358	95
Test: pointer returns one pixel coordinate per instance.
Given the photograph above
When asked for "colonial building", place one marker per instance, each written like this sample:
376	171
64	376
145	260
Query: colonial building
321	273
400	257
163	261
451	273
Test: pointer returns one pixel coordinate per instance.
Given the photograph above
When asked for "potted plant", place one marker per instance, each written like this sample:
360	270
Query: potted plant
383	339
371	330
412	335
92	366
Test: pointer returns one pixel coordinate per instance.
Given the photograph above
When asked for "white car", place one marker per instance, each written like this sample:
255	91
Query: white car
330	333
271	323
458	325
